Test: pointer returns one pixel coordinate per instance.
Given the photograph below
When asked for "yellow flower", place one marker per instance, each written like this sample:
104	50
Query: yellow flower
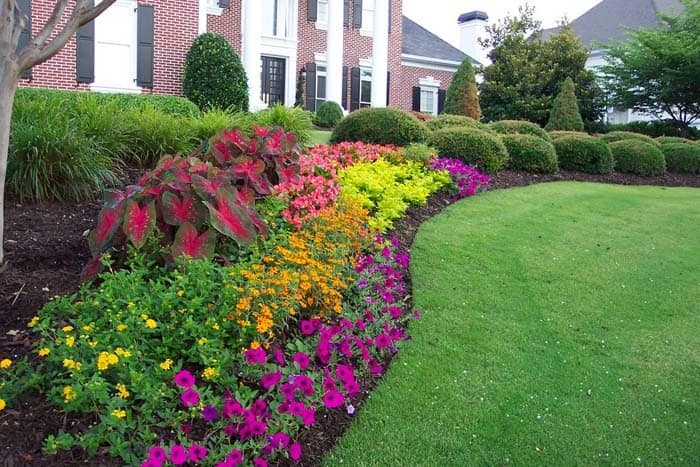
180	293
119	413
209	373
72	364
121	327
44	352
70	340
5	363
2	404
151	324
255	345
131	305
93	344
105	360
167	364
215	326
122	353
123	393
144	316
33	322
68	394
67	328
87	328
202	340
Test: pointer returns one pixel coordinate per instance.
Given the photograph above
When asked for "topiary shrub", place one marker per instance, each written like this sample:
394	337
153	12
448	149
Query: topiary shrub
565	114
664	140
626	135
461	97
530	153
479	148
380	126
638	157
452	121
214	76
559	133
584	153
522	127
682	157
328	115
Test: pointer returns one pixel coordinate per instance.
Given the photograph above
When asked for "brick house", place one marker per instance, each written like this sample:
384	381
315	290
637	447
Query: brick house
358	53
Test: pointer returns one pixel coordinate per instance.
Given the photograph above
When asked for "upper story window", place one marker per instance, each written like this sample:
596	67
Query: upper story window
367	17
322	12
278	18
213	7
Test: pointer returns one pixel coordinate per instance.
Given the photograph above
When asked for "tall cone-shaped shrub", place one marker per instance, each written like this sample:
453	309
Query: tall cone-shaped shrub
461	97
565	114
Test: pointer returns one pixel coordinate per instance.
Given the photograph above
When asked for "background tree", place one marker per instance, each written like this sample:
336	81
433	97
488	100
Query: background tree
53	35
565	115
462	97
658	70
527	72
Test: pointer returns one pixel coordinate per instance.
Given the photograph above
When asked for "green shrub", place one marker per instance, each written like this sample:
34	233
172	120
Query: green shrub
418	152
530	153
681	157
654	129
213	121
584	153
475	147
664	140
625	135
506	127
637	157
295	120
213	76
451	121
461	97
565	114
559	133
328	115
154	134
380	126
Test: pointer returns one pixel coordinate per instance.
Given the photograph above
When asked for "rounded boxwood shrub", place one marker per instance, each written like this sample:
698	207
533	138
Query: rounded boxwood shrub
664	140
380	126
451	121
682	157
530	153
561	133
214	76
638	157
584	153
614	136
479	148
521	127
328	114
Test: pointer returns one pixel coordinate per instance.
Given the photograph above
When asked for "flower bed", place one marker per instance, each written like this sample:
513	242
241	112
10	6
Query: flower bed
226	362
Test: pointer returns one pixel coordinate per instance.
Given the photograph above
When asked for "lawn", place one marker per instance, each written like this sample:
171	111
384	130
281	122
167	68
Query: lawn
320	137
560	327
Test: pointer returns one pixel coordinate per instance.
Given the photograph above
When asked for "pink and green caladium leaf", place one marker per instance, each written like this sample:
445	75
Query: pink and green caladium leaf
230	219
227	145
206	188
139	222
108	222
188	242
91	269
178	210
112	198
252	172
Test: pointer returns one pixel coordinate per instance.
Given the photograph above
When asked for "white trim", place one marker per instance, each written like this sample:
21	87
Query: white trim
213	8
366	63
424	59
124	90
429	81
320	58
321	25
431	85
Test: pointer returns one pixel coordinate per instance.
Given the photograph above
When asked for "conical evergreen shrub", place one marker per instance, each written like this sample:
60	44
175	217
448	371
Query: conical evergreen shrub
462	97
565	115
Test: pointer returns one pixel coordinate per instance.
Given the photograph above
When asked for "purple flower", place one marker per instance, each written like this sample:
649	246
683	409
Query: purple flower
255	356
329	384
184	379
295	451
231	408
259	408
209	413
386	252
271	379
297	408
307	327
362	283
303	383
345	373
351	409
279	440
383	341
258	428
259	462
351	387
157	454
234	457
197	453
387	296
151	463
190	397
308	418
394	312
333	399
287	389
178	454
416	314
376	369
360	324
229	430
302	360
279	357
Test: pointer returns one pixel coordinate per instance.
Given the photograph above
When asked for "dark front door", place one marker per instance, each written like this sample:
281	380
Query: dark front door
273	81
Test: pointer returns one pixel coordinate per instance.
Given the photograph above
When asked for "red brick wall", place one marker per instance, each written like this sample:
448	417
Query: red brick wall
228	25
409	78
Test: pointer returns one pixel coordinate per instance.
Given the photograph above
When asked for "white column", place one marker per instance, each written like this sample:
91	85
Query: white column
252	32
334	52
380	52
202	20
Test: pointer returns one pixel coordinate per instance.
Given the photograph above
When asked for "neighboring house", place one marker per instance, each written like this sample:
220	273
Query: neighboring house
605	23
357	53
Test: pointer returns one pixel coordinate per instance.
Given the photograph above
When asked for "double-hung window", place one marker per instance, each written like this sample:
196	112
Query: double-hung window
365	87
278	18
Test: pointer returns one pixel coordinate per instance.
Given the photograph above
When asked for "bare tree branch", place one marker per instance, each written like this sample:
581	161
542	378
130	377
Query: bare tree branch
50	25
20	21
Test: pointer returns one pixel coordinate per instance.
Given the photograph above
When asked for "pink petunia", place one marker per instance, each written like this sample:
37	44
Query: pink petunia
255	356
184	379
333	399
302	360
178	454
295	451
197	453
271	379
157	454
383	341
190	397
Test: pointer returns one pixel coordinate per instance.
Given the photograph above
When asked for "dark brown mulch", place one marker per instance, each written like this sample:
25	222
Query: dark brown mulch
46	251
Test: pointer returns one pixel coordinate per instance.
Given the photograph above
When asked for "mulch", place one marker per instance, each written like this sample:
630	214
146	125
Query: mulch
45	249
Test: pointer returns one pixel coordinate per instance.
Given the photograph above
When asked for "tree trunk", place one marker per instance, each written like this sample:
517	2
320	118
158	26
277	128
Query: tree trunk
8	87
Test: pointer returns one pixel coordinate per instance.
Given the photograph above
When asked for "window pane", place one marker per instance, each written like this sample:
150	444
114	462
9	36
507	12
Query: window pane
268	17
427	101
368	15
321	87
366	91
322	11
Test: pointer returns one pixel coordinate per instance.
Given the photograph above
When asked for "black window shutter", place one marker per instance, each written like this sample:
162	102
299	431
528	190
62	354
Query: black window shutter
354	89
416	98
311	10
144	55
346	12
441	100
345	88
224	3
388	87
25	6
311	86
85	53
357	14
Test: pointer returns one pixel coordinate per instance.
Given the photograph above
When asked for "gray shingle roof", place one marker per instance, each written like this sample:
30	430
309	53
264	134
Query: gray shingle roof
419	41
603	23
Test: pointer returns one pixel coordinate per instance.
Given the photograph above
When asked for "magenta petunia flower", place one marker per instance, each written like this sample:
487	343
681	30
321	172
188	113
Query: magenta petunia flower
302	360
383	341
329	384
303	382
360	325
417	315
259	462
352	388
231	408
184	379
209	413
178	454
235	457
255	356
197	453
190	397
394	312
307	327
259	407
230	430
287	390
271	379
295	451
257	428
376	369
297	408
333	399
345	373
157	454
279	356
308	418
151	463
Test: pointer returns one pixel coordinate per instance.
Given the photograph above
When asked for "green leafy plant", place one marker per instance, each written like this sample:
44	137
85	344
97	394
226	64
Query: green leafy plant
507	127
294	120
627	135
214	76
565	114
584	153
479	148
530	153
461	97
637	157
418	152
380	126
683	157
328	114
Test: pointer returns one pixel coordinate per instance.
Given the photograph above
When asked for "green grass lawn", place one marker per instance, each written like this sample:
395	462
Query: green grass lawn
561	327
320	136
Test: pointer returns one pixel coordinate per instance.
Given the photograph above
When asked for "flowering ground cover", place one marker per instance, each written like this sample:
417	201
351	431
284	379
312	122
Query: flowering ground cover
559	327
242	298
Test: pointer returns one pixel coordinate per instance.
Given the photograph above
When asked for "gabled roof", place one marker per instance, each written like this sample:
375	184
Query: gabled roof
420	42
604	22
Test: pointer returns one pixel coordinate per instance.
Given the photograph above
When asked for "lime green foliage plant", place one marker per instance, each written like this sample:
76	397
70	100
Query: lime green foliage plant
328	114
565	114
626	135
387	189
584	153
681	157
462	97
530	153
506	127
482	149
638	157
380	126
213	76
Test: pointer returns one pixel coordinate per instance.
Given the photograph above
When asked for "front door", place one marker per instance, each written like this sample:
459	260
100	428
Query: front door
273	81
